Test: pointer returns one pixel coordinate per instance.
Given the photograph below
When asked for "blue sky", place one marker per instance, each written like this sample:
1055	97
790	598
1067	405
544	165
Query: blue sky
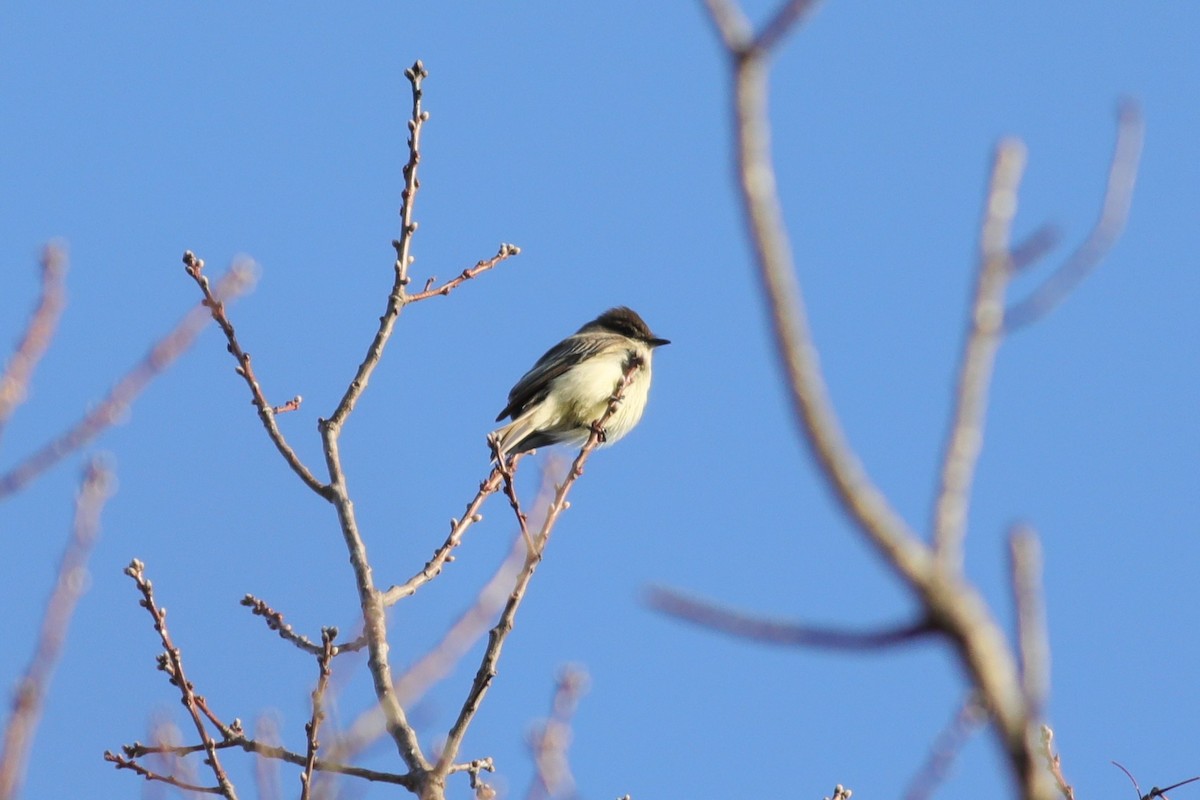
596	138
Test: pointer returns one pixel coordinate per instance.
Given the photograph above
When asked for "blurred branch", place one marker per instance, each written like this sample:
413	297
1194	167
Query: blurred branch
550	741
953	605
14	382
1114	213
714	617
70	583
1033	642
797	353
946	748
498	635
171	662
266	412
965	440
122	395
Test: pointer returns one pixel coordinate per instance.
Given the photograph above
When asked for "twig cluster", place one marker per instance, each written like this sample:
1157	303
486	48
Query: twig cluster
425	775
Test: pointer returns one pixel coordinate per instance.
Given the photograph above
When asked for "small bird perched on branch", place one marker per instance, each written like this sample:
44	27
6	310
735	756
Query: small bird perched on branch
569	387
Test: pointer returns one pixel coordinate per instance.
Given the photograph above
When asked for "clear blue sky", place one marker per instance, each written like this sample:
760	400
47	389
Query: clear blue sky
595	137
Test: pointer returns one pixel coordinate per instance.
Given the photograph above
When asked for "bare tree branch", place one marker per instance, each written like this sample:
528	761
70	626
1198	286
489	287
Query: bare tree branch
396	299
458	527
458	638
122	395
171	662
505	252
14	382
313	726
965	439
266	412
1114	213
70	583
946	748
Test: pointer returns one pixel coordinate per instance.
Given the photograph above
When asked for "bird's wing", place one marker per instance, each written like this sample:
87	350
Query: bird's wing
535	384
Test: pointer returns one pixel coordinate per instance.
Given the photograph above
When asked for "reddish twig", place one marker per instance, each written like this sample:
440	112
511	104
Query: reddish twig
403	246
487	668
266	412
125	763
508	468
117	401
275	622
171	662
69	585
444	554
506	251
14	382
312	727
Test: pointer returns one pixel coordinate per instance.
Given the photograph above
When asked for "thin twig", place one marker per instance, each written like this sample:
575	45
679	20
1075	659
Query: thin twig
1033	643
946	748
1114	213
70	583
171	662
266	412
117	401
487	668
458	527
14	382
266	750
505	252
313	726
1054	763
965	438
778	632
125	763
275	622
403	245
507	469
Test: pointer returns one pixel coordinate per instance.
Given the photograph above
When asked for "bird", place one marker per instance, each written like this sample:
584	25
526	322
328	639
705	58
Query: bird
569	388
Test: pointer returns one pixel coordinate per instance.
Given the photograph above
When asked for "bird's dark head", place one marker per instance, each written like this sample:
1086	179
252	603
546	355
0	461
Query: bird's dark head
625	321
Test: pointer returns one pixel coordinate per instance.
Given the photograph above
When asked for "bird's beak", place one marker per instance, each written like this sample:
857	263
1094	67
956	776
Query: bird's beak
657	342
